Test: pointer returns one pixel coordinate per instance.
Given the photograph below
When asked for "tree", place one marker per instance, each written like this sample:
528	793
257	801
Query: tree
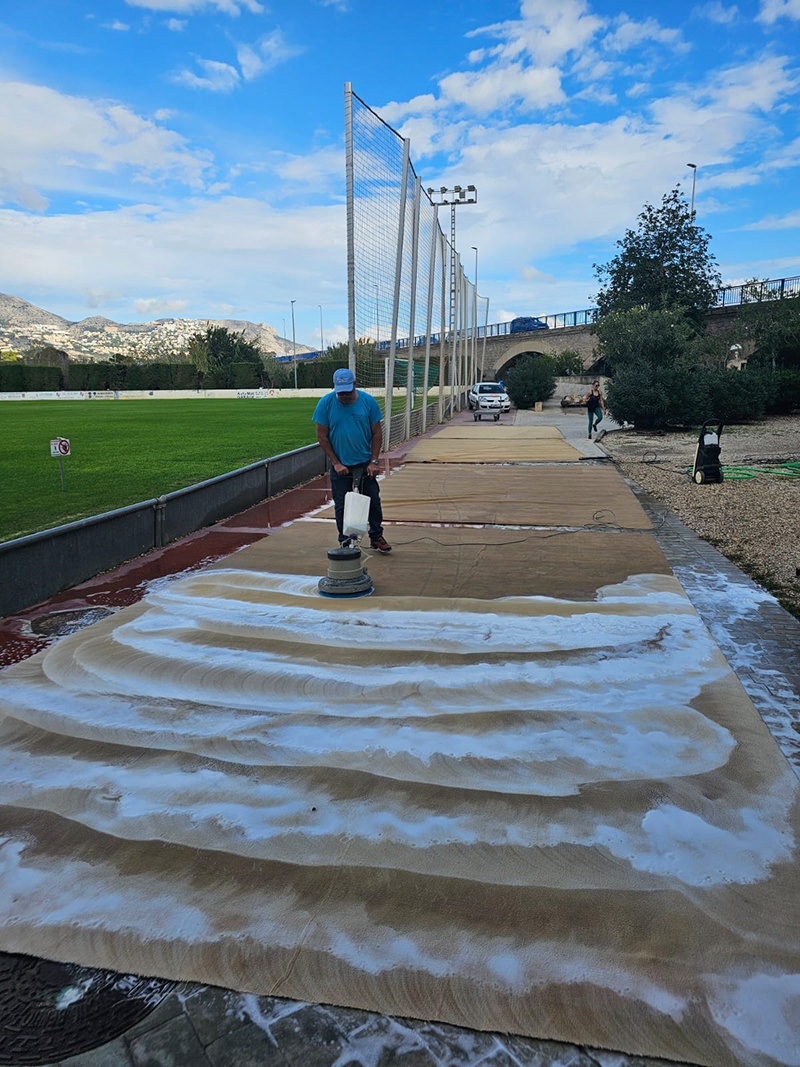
217	349
650	354
529	380
665	262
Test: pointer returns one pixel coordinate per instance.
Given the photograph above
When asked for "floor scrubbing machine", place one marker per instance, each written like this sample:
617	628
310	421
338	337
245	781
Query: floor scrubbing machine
347	576
707	467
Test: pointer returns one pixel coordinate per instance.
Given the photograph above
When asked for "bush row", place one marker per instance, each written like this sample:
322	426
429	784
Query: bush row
98	377
652	397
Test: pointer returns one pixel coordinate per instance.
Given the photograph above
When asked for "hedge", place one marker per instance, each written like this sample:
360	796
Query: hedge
23	378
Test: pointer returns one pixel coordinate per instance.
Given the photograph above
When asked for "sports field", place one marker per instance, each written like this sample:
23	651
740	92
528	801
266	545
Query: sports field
125	451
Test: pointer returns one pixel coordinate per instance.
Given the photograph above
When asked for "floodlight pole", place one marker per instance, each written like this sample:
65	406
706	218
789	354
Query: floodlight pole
294	346
321	339
454	197
694	183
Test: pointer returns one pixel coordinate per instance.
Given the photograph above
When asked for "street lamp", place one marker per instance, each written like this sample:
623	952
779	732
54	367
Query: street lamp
294	346
694	182
455	197
321	341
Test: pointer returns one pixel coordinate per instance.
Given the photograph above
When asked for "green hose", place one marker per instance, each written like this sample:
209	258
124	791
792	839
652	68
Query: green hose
734	472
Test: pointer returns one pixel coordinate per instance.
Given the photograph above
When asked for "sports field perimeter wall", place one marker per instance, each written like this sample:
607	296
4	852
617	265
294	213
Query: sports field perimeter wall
40	565
183	394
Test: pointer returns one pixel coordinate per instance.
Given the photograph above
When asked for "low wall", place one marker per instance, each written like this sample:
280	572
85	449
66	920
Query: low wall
183	394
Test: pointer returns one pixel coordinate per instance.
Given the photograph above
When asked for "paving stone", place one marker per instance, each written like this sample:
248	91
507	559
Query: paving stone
167	1009
309	1037
114	1054
173	1044
247	1046
214	1012
453	1045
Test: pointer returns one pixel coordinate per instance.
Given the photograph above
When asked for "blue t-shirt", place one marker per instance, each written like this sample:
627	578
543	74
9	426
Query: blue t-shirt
349	426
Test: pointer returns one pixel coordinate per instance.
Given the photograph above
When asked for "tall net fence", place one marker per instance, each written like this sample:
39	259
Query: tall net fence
413	314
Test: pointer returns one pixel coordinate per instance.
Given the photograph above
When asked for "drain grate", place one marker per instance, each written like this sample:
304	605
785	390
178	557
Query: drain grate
61	623
49	1011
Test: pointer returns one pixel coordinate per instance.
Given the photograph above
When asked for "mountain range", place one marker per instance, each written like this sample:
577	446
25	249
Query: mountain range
23	324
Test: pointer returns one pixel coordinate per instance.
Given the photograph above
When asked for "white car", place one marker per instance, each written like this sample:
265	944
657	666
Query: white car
488	397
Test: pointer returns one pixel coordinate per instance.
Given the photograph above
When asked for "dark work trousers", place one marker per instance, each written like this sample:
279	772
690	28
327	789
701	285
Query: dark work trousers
343	483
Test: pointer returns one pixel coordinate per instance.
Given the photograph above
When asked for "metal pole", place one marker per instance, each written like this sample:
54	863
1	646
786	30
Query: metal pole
485	331
398	271
453	283
351	229
475	319
61	468
417	211
443	323
452	345
377	320
321	339
428	318
294	347
694	183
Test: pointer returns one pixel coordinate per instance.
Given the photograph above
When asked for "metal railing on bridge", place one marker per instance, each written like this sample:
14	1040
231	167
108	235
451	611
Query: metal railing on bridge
728	296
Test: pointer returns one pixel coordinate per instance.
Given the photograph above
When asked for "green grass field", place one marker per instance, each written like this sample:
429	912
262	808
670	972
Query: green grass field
126	451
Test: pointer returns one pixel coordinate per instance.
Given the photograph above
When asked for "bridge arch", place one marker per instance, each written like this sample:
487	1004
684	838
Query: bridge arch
528	347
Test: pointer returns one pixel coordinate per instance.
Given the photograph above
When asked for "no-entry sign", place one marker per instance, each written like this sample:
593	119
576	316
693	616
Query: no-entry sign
59	446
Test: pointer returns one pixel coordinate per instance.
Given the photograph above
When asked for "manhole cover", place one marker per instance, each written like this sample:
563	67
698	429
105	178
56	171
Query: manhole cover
49	1011
61	623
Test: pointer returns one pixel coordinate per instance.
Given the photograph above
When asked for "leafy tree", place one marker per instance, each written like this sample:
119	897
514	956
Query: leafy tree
529	380
773	324
215	351
664	262
567	362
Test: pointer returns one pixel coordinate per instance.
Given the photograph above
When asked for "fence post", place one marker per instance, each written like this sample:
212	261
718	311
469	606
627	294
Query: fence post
415	219
442	342
428	318
485	328
398	271
351	230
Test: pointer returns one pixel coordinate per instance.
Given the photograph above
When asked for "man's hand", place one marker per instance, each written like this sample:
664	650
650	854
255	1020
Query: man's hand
373	469
340	468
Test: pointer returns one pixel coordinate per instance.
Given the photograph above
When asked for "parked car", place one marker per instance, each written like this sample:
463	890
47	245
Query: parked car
524	325
488	396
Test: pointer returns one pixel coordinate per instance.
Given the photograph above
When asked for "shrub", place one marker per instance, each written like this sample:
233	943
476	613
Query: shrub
734	396
245	375
784	392
567	362
12	377
530	379
43	379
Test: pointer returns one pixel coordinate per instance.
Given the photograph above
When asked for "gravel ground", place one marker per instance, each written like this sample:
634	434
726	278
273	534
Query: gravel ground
755	523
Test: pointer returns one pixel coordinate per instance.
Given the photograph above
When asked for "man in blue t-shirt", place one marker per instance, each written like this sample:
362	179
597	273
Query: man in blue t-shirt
349	430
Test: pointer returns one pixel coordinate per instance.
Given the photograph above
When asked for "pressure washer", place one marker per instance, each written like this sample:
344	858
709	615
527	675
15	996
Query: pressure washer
707	467
347	576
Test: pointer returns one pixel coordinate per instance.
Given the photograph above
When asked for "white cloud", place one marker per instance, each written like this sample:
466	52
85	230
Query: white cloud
159	307
271	50
776	222
227	7
317	169
176	25
630	34
232	250
217	77
637	89
772	10
116	25
56	142
498	86
715	11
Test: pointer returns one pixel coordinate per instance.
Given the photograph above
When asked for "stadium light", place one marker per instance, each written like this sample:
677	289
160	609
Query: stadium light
694	182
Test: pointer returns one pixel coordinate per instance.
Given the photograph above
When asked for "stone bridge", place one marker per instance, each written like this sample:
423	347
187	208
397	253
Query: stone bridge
503	351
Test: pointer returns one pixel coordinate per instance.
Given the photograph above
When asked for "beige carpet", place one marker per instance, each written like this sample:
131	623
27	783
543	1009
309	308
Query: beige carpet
491	431
528	495
551	816
437	449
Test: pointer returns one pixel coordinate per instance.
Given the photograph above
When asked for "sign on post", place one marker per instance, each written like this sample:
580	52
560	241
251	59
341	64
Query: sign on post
59	446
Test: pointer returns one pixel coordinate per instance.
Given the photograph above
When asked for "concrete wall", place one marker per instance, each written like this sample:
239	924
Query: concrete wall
184	394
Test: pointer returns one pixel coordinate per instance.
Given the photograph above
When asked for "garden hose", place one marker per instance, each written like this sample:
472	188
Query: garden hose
736	472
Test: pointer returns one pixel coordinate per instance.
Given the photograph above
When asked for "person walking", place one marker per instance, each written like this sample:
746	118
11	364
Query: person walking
350	432
595	405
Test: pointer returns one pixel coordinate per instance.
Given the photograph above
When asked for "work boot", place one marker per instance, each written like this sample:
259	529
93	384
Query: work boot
380	544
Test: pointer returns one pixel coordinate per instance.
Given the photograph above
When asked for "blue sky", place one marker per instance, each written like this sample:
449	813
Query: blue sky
185	157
